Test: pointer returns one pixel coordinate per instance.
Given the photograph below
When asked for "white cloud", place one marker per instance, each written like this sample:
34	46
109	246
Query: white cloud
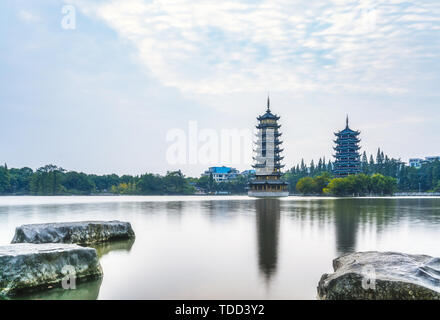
28	16
212	47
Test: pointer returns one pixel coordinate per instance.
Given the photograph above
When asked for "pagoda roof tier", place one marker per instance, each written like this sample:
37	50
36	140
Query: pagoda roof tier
347	146
348	133
347	140
276	141
263	165
275	150
348	159
268	116
267	125
271	174
342	154
347	149
346	164
271	182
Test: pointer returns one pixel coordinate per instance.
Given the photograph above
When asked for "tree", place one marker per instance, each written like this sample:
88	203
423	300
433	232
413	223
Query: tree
5	180
20	179
175	183
321	182
306	185
150	184
364	163
77	183
337	187
47	180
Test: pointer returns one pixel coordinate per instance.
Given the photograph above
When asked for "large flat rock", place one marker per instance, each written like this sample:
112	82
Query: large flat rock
28	267
382	276
84	232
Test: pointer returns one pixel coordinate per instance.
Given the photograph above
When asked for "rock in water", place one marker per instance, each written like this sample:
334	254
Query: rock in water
26	267
382	276
84	232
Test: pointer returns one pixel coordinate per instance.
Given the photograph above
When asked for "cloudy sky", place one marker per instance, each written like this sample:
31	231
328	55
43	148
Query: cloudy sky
103	96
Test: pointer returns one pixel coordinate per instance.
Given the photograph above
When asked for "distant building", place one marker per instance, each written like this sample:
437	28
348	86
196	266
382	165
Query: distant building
417	162
347	157
268	180
432	159
247	173
221	174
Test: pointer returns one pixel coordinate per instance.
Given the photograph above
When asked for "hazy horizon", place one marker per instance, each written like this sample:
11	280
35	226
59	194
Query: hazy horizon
101	97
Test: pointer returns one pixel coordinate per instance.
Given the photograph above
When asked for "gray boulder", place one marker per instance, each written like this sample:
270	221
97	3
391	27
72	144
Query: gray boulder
84	232
28	267
382	276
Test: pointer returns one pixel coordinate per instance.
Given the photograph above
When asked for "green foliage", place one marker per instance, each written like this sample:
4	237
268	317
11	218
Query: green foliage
314	185
150	184
47	181
175	183
380	175
306	185
437	187
20	180
78	183
361	185
424	179
5	180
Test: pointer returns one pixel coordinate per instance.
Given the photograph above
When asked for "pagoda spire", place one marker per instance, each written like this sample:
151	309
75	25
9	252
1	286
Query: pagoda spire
347	122
268	103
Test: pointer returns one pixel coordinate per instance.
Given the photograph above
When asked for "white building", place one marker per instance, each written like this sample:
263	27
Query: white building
417	162
221	174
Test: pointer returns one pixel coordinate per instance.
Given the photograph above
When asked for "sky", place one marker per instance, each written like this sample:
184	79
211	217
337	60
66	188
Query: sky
108	92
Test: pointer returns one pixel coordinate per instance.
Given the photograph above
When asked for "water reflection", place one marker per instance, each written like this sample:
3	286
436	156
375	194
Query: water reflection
121	245
268	228
232	247
84	291
346	220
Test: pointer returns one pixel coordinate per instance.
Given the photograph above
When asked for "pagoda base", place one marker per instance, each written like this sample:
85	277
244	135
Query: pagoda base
268	194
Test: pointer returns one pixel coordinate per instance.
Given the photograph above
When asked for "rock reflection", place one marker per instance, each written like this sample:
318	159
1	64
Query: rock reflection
121	245
84	291
268	228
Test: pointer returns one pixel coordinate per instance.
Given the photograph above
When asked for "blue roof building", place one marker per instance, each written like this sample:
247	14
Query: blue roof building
221	174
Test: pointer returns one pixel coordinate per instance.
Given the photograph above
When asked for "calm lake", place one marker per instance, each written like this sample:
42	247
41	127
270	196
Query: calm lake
229	247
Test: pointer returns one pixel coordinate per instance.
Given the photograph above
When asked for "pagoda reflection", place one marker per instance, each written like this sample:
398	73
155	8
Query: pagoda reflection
268	228
346	220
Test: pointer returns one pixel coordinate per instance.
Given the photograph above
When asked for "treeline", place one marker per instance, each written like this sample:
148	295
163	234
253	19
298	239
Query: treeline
54	180
354	185
384	174
407	179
